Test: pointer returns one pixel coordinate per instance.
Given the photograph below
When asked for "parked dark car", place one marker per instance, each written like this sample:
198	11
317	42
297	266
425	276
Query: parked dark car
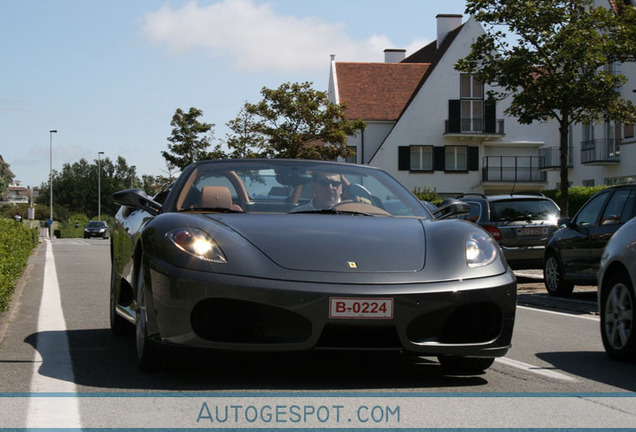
240	257
616	296
96	229
574	251
520	223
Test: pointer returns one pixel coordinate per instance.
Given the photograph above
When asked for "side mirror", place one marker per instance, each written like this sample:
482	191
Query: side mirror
451	207
564	222
137	199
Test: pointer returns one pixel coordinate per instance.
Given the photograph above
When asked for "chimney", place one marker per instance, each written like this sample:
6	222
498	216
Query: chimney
445	24
394	55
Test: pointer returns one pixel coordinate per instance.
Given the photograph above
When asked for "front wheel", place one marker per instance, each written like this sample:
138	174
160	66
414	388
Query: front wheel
617	318
553	277
465	365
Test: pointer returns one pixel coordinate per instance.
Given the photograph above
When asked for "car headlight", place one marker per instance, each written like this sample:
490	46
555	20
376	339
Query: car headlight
197	243
481	250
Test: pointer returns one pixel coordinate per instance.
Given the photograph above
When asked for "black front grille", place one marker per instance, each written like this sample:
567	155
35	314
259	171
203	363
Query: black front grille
238	321
471	323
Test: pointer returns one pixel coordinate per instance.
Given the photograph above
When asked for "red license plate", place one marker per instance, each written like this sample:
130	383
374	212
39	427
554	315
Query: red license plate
360	308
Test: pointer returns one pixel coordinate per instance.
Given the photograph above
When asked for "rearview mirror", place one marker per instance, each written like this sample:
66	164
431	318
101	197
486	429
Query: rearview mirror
138	199
451	207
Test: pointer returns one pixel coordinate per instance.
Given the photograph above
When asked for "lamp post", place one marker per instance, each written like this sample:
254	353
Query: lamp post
51	132
99	185
132	179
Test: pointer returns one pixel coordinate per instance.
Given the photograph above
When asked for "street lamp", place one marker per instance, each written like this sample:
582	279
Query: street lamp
51	132
99	185
132	179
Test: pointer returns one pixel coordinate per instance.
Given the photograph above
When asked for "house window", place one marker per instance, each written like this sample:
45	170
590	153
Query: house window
456	158
628	130
353	157
588	183
472	104
613	68
421	158
588	132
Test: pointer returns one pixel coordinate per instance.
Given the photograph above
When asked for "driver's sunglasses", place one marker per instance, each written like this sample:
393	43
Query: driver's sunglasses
335	183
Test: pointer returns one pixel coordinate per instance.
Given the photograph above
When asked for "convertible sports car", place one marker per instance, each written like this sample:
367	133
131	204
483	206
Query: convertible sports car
288	255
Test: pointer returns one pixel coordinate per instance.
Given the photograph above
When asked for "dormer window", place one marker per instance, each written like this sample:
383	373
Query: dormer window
472	104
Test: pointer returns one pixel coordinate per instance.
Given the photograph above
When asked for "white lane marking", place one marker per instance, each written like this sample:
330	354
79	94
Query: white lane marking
52	367
535	369
587	317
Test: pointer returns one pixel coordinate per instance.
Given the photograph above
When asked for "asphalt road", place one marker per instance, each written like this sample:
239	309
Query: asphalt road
555	375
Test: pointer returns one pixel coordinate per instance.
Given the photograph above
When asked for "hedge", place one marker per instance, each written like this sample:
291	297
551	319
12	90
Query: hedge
577	196
16	244
68	233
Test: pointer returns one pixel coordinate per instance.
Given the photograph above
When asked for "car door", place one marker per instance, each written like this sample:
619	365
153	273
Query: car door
619	209
575	244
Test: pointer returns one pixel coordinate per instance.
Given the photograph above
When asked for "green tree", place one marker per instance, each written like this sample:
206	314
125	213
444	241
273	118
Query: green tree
294	121
75	188
189	140
6	176
558	66
246	141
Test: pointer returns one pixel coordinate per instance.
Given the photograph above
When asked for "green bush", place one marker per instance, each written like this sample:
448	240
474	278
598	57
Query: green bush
16	244
577	196
425	194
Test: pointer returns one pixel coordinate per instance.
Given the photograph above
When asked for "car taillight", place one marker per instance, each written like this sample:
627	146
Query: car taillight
494	232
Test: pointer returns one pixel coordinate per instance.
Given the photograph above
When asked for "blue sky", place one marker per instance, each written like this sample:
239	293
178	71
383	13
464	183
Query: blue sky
109	75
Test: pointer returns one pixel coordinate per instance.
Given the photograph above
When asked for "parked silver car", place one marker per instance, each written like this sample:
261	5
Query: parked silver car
520	223
616	299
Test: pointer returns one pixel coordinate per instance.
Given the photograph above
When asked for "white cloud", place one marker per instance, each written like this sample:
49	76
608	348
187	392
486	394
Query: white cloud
255	38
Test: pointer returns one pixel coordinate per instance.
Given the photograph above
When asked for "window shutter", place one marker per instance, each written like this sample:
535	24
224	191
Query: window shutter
491	118
473	158
404	158
439	158
454	116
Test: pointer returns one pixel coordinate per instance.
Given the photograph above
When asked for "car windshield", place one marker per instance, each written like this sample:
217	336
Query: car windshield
523	209
96	224
291	186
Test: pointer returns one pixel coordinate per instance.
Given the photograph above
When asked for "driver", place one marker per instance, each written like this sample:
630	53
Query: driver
327	192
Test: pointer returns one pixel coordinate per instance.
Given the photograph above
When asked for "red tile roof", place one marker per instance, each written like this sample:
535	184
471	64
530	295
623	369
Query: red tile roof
377	91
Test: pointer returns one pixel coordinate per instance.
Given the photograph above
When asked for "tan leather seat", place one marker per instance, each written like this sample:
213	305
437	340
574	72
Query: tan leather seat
218	197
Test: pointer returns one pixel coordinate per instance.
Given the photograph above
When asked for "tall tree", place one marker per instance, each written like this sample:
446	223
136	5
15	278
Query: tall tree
294	121
558	66
6	176
189	140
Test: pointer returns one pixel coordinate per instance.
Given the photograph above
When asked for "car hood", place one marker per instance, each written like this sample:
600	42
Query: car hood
335	243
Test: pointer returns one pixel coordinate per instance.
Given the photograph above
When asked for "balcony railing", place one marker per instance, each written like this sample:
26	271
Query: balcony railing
472	126
600	151
512	169
550	157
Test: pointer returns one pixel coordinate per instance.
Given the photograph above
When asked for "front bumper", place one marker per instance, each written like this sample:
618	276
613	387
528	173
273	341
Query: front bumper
95	234
465	318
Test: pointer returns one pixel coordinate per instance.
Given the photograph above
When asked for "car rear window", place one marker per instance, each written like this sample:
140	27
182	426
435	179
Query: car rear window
523	209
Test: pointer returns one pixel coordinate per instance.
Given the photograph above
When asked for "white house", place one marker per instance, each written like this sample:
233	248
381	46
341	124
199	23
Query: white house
431	127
